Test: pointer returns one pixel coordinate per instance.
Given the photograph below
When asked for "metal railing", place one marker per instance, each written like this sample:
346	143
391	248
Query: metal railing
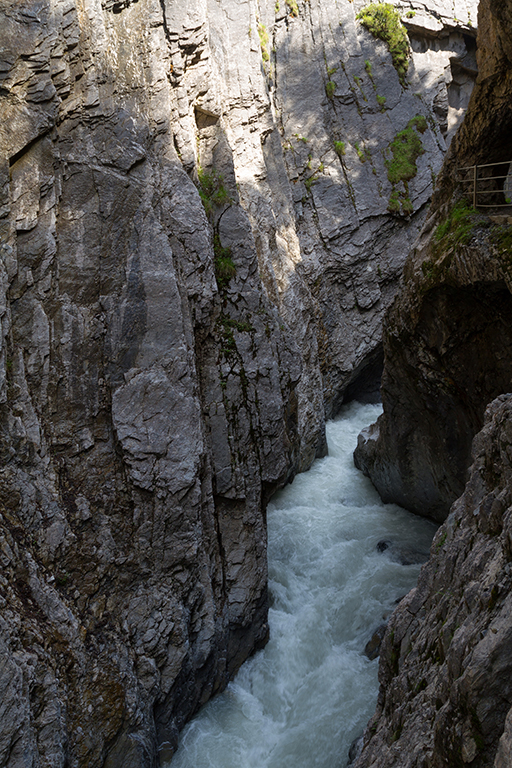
482	180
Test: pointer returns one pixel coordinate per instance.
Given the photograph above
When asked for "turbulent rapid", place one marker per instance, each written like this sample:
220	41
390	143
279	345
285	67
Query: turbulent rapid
302	700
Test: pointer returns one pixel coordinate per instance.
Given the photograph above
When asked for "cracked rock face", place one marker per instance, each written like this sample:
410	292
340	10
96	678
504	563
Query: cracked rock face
447	337
168	361
445	693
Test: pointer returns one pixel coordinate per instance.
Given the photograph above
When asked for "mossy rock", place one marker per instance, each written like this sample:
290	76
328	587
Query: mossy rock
384	23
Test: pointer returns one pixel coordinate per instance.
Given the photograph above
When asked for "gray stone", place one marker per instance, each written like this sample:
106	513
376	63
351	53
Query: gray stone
149	407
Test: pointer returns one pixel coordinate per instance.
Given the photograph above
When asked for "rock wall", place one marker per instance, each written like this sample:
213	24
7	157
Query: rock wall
447	338
446	694
168	357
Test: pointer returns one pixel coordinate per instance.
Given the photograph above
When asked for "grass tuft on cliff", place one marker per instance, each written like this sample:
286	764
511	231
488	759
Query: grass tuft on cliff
383	22
213	195
457	229
224	265
292	5
263	35
405	149
330	88
212	191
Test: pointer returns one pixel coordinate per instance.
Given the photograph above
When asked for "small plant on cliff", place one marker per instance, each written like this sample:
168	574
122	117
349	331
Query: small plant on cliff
214	194
457	228
405	149
225	268
339	148
263	35
294	8
363	153
212	191
381	101
383	22
330	88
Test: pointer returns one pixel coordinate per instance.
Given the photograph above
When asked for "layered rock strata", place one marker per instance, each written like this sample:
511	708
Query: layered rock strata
447	337
168	357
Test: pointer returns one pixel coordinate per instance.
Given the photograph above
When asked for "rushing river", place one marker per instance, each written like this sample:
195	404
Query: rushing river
302	700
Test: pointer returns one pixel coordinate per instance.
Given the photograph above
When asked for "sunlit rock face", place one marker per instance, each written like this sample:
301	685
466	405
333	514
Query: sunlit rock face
445	692
447	337
168	361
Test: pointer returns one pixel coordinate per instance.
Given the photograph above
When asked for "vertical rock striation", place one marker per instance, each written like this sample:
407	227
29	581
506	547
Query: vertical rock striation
445	697
447	337
196	254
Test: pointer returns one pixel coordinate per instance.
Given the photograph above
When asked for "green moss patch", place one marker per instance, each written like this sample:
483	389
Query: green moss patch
263	35
214	194
339	148
224	265
457	229
330	88
212	191
405	149
292	5
383	21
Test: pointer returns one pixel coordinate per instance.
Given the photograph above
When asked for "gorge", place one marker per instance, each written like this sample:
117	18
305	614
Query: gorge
203	225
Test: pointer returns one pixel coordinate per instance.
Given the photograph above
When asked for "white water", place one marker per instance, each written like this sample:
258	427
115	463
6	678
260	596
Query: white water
301	701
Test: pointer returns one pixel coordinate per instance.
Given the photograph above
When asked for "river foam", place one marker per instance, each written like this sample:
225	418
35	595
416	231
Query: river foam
301	701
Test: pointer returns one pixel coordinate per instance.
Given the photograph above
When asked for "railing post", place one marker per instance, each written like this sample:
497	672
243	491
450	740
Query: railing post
475	173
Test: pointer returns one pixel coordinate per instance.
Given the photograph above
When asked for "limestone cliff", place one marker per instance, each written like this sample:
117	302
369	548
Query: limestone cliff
445	697
447	337
445	670
199	237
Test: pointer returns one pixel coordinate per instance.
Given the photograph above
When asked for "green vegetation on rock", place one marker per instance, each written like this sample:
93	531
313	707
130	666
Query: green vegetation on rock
212	191
263	35
383	21
294	8
363	153
339	148
330	88
225	268
405	148
457	228
214	194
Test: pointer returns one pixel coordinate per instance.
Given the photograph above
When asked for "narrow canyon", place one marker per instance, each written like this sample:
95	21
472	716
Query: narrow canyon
220	221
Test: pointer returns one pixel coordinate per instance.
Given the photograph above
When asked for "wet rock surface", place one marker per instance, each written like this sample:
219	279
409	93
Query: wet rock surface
402	554
372	647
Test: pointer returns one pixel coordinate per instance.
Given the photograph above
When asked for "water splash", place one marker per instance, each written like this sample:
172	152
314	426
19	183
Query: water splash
301	701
